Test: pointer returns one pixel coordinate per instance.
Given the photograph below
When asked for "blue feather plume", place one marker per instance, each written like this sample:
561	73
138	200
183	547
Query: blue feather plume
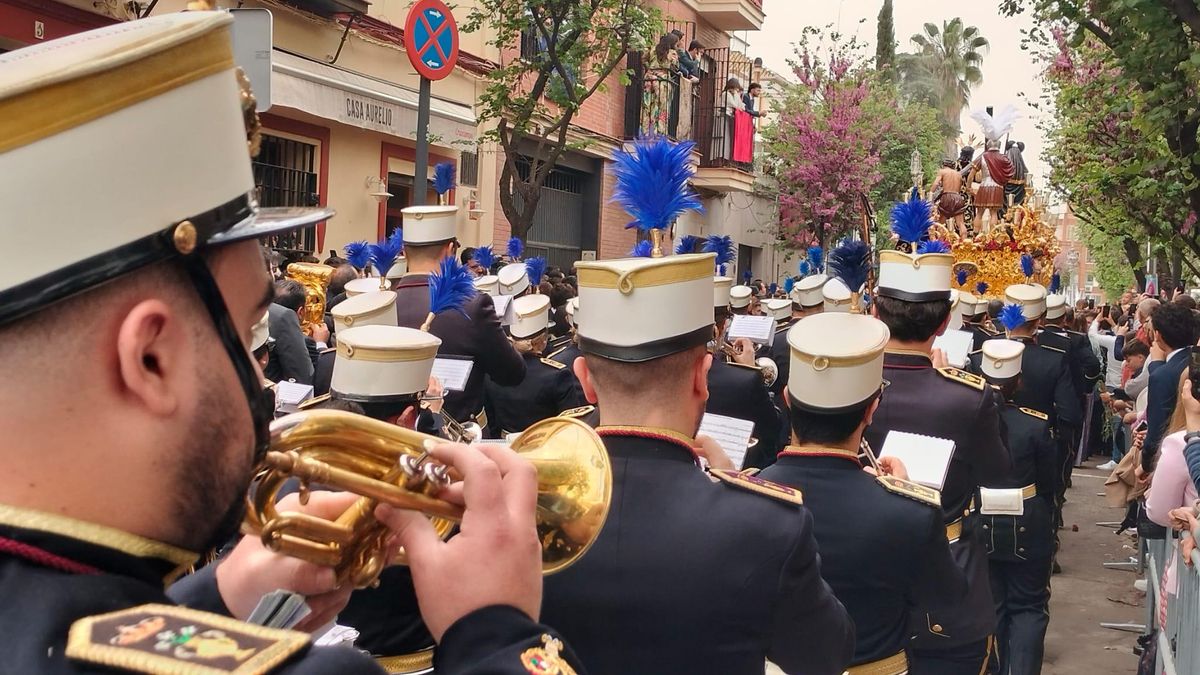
515	248
850	262
933	246
485	256
535	268
804	268
686	244
1011	317
443	178
396	239
384	254
642	249
1055	282
1027	265
961	276
911	219
450	287
981	288
772	288
746	277
723	247
789	284
358	254
653	182
816	258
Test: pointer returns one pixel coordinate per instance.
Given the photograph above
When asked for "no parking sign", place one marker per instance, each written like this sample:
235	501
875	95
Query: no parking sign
431	39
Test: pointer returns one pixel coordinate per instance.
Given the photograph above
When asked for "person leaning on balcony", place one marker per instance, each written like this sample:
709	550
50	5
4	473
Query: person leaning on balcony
689	61
752	92
733	96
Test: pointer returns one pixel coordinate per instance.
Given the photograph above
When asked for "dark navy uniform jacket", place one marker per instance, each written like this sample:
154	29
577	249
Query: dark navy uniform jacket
1030	535
1045	384
549	388
1081	360
949	403
690	576
881	551
476	335
564	354
56	571
978	334
781	355
739	391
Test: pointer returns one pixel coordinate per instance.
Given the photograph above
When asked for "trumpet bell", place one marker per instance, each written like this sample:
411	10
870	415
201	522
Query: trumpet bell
383	463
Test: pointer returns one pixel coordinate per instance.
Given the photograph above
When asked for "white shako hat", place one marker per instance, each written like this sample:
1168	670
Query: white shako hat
1056	306
531	316
739	296
968	305
807	292
955	311
915	277
382	363
1031	298
639	309
377	308
779	309
721	290
513	279
366	285
260	332
1001	359
144	120
836	295
488	283
836	361
398	269
425	225
570	308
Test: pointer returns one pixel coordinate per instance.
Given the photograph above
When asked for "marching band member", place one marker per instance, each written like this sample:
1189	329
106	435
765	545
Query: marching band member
883	543
913	300
167	411
1021	541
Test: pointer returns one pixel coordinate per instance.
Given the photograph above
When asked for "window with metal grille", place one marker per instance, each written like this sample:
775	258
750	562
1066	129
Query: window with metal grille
285	175
468	169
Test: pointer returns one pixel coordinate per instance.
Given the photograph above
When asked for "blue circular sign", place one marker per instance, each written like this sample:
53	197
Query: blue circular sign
431	39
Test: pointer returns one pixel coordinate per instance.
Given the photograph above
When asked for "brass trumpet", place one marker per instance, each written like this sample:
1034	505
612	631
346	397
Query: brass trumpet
387	464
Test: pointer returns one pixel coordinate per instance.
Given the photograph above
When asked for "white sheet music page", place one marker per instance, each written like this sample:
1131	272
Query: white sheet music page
926	457
292	394
758	329
503	305
452	373
957	346
731	433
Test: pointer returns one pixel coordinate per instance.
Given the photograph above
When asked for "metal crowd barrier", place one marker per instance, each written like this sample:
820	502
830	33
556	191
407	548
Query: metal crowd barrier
1179	638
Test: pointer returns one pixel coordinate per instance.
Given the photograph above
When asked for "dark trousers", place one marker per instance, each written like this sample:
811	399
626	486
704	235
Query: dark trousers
1021	590
968	659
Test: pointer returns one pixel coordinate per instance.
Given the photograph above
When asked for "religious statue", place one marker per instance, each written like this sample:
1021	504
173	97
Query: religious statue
315	279
992	171
1014	189
947	196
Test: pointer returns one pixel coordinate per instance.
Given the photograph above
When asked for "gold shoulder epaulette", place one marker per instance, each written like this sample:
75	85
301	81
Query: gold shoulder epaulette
581	411
169	639
553	364
784	326
757	485
328	350
963	377
907	488
752	471
556	352
742	365
1053	349
1034	413
313	402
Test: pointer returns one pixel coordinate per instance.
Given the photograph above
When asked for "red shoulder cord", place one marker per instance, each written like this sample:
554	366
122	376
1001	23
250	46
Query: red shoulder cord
33	554
651	435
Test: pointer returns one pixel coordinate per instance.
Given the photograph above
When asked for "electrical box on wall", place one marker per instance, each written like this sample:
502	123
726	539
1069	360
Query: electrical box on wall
587	255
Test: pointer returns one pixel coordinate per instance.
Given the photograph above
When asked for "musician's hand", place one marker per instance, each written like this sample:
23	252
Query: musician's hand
320	332
891	466
436	394
938	357
251	570
495	559
708	448
744	351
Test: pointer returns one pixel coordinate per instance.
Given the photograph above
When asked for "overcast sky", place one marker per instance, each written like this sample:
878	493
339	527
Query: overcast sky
1007	71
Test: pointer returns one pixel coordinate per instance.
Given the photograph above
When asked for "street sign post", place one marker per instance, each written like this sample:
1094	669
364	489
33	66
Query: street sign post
431	41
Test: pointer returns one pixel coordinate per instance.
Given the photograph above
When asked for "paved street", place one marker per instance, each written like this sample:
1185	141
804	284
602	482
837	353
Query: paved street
1086	593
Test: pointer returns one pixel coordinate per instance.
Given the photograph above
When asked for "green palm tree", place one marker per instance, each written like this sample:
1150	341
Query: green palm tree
947	65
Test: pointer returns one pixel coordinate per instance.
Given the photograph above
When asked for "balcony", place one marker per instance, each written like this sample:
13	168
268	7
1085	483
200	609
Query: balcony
731	14
658	101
